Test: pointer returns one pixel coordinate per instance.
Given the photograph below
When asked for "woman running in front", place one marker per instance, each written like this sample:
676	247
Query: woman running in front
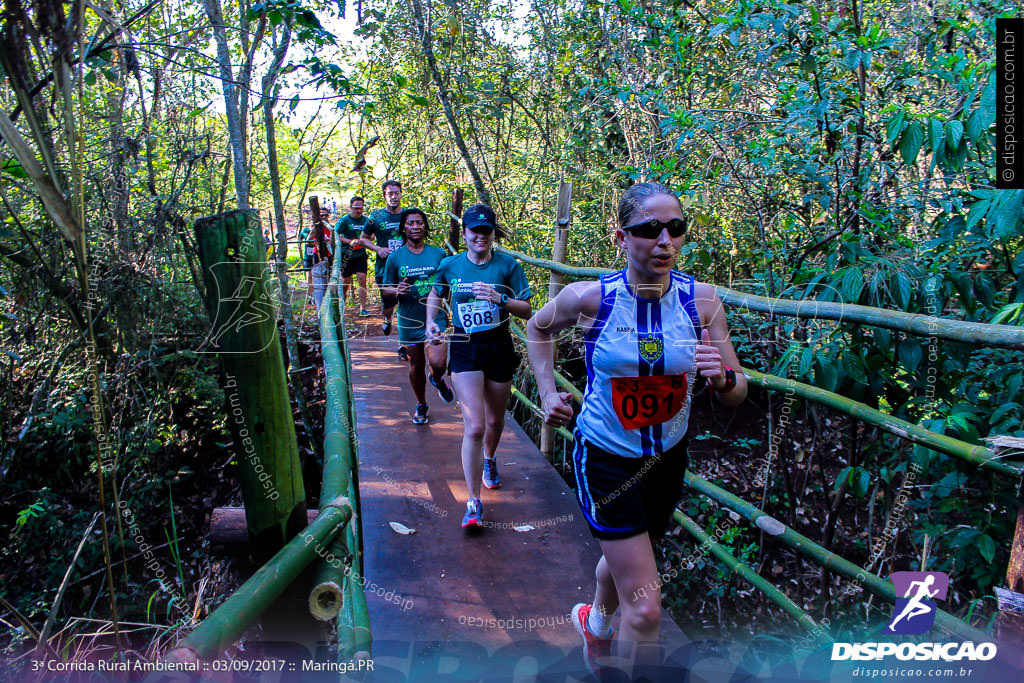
483	288
648	330
409	276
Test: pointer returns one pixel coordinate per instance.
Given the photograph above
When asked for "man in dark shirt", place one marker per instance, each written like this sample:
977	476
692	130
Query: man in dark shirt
382	236
353	251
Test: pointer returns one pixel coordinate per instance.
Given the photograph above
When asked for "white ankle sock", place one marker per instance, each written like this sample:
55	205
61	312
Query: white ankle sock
600	624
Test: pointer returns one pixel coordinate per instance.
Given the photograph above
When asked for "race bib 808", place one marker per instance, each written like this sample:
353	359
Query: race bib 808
477	316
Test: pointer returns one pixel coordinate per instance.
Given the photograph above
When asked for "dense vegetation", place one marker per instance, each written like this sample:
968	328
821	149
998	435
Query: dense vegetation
832	150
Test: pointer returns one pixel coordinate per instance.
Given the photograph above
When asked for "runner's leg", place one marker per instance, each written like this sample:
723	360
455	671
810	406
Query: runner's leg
606	599
469	387
346	285
437	356
630	562
496	402
417	376
361	278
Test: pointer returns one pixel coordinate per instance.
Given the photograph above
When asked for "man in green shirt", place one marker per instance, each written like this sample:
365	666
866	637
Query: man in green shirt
382	236
409	276
353	251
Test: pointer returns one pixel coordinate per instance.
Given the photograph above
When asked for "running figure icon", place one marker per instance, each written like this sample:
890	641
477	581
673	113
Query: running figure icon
915	607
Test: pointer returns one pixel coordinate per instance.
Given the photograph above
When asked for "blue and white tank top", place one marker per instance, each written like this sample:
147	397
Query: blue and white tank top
640	356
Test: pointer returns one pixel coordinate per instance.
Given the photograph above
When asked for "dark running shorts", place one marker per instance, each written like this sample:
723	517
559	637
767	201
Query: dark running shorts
496	355
622	497
352	266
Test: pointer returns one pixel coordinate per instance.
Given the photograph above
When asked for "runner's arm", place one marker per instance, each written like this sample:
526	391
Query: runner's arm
575	301
433	305
367	239
712	315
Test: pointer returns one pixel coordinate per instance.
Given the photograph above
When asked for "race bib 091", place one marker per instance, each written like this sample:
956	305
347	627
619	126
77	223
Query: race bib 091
645	401
477	316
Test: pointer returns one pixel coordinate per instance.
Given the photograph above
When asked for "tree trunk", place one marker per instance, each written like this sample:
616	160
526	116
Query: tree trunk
482	193
291	342
227	80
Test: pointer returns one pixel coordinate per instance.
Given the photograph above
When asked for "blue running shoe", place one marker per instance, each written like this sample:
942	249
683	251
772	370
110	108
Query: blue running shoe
420	416
491	478
444	390
403	354
474	516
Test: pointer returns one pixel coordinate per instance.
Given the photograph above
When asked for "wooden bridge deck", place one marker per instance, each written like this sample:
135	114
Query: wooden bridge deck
444	601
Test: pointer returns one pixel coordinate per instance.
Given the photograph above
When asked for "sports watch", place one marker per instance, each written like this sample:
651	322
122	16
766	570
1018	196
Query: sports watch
504	300
730	381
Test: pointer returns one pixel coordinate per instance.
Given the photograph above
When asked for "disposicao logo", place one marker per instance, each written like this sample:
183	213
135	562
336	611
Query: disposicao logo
913	614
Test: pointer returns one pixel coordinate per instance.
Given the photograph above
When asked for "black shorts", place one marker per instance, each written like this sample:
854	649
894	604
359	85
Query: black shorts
307	261
351	266
495	355
622	497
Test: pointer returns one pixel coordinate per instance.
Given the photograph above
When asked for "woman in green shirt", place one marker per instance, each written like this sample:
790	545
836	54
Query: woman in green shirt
408	277
482	287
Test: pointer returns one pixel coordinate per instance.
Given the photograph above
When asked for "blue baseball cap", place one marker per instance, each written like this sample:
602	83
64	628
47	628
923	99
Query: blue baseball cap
481	215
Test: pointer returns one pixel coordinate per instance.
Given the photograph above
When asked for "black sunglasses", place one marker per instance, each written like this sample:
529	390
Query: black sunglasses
651	230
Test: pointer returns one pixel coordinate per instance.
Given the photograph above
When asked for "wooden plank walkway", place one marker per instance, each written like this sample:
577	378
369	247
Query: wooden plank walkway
444	601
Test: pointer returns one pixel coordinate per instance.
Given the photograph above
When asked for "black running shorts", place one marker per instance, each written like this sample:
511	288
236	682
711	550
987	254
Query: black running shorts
621	497
351	266
494	355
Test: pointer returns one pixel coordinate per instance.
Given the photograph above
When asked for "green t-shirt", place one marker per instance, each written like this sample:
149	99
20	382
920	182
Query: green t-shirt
455	278
383	228
348	228
419	271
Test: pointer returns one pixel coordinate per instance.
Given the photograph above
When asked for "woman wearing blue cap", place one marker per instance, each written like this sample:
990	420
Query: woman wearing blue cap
482	287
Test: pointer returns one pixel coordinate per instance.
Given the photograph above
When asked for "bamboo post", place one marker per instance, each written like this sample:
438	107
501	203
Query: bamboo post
318	228
227	623
1009	628
563	218
453	221
244	334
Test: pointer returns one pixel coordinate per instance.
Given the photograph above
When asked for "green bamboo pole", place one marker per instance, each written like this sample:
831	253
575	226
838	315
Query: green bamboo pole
327	595
754	579
980	334
362	636
227	623
820	555
244	333
976	455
